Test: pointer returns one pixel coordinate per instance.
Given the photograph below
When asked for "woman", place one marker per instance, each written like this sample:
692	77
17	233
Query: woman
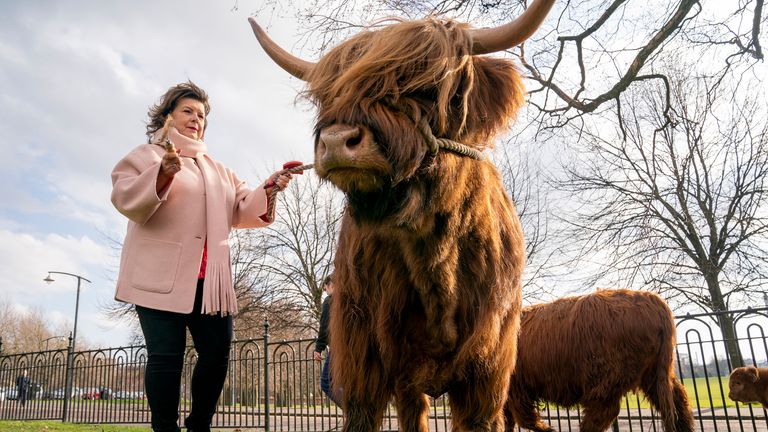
181	205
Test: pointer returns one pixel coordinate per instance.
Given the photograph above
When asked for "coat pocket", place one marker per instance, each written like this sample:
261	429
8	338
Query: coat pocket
154	265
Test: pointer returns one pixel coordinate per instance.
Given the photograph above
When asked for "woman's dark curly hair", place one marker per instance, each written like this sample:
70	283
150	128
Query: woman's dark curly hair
168	101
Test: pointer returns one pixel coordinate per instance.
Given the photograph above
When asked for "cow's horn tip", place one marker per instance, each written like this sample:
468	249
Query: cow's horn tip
254	24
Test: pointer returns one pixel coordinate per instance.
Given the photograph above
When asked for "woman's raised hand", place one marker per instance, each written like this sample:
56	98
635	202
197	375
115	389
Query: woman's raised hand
171	163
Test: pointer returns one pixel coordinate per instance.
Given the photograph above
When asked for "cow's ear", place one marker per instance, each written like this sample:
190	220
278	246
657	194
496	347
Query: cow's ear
753	375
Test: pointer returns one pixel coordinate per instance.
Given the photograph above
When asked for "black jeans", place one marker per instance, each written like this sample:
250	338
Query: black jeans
165	335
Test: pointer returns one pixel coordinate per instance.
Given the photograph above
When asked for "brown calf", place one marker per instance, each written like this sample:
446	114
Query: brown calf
591	350
749	384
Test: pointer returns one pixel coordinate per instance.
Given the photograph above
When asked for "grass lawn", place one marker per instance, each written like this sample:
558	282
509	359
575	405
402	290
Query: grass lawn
709	392
57	426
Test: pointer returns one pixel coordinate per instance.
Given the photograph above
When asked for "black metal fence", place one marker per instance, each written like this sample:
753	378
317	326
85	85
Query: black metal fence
274	385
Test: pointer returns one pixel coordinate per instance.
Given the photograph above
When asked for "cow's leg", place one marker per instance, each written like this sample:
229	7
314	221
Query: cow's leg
362	387
412	410
473	412
525	412
509	419
477	403
362	416
358	375
597	416
364	394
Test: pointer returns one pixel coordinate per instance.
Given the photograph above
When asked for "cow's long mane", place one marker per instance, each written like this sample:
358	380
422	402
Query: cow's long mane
427	65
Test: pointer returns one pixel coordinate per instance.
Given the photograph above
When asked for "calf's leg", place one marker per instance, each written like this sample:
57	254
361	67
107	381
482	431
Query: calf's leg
670	399
523	410
683	414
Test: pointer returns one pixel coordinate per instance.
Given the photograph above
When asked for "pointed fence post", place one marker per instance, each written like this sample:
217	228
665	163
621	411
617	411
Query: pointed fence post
266	375
68	381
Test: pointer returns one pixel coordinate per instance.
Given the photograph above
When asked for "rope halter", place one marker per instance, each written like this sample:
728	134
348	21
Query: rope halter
432	141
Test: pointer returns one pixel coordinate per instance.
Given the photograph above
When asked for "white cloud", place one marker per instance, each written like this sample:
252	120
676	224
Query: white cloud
27	260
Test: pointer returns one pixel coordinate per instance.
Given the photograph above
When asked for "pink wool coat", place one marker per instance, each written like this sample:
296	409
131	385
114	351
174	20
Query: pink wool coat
163	247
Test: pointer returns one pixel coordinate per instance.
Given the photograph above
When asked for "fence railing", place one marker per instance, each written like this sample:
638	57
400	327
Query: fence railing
275	385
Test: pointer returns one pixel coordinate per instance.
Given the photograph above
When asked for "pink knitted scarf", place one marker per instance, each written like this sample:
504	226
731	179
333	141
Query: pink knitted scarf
218	292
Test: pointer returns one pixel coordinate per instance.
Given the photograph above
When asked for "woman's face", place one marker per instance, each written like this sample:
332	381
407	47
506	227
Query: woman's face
189	118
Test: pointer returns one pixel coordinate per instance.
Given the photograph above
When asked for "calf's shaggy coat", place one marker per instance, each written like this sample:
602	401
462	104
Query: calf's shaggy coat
591	350
749	384
430	254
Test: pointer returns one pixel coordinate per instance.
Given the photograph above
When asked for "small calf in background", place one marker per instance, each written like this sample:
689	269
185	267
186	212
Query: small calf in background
749	384
592	349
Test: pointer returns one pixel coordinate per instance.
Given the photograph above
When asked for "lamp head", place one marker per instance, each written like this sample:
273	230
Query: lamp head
48	279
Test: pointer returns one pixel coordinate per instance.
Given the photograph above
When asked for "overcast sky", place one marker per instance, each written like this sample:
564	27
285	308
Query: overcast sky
76	80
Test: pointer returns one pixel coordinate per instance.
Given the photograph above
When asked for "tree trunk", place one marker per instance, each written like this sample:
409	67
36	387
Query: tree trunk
731	343
725	322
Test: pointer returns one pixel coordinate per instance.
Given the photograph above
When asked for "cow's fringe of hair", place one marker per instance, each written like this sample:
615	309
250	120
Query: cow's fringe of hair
429	58
396	60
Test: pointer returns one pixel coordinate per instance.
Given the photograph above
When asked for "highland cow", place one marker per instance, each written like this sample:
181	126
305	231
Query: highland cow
749	384
431	252
591	350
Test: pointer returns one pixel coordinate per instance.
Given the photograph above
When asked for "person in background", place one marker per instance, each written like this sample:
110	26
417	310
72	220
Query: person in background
22	387
321	344
175	264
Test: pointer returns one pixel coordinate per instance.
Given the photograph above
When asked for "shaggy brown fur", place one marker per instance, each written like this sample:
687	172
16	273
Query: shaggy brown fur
431	252
749	384
591	350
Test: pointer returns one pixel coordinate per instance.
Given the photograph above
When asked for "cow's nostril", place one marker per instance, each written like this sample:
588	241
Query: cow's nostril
341	138
355	140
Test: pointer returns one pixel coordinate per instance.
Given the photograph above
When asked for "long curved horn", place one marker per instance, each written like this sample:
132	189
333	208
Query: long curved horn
488	40
292	64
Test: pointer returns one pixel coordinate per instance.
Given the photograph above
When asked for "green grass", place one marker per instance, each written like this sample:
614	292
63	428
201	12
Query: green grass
57	426
699	390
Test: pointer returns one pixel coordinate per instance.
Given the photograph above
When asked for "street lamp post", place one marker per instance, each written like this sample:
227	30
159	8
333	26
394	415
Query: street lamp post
71	348
46	340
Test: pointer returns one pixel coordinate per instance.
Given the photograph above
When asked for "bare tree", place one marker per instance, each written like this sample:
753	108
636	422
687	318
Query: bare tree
587	54
525	180
668	189
31	331
296	253
585	64
678	207
259	297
